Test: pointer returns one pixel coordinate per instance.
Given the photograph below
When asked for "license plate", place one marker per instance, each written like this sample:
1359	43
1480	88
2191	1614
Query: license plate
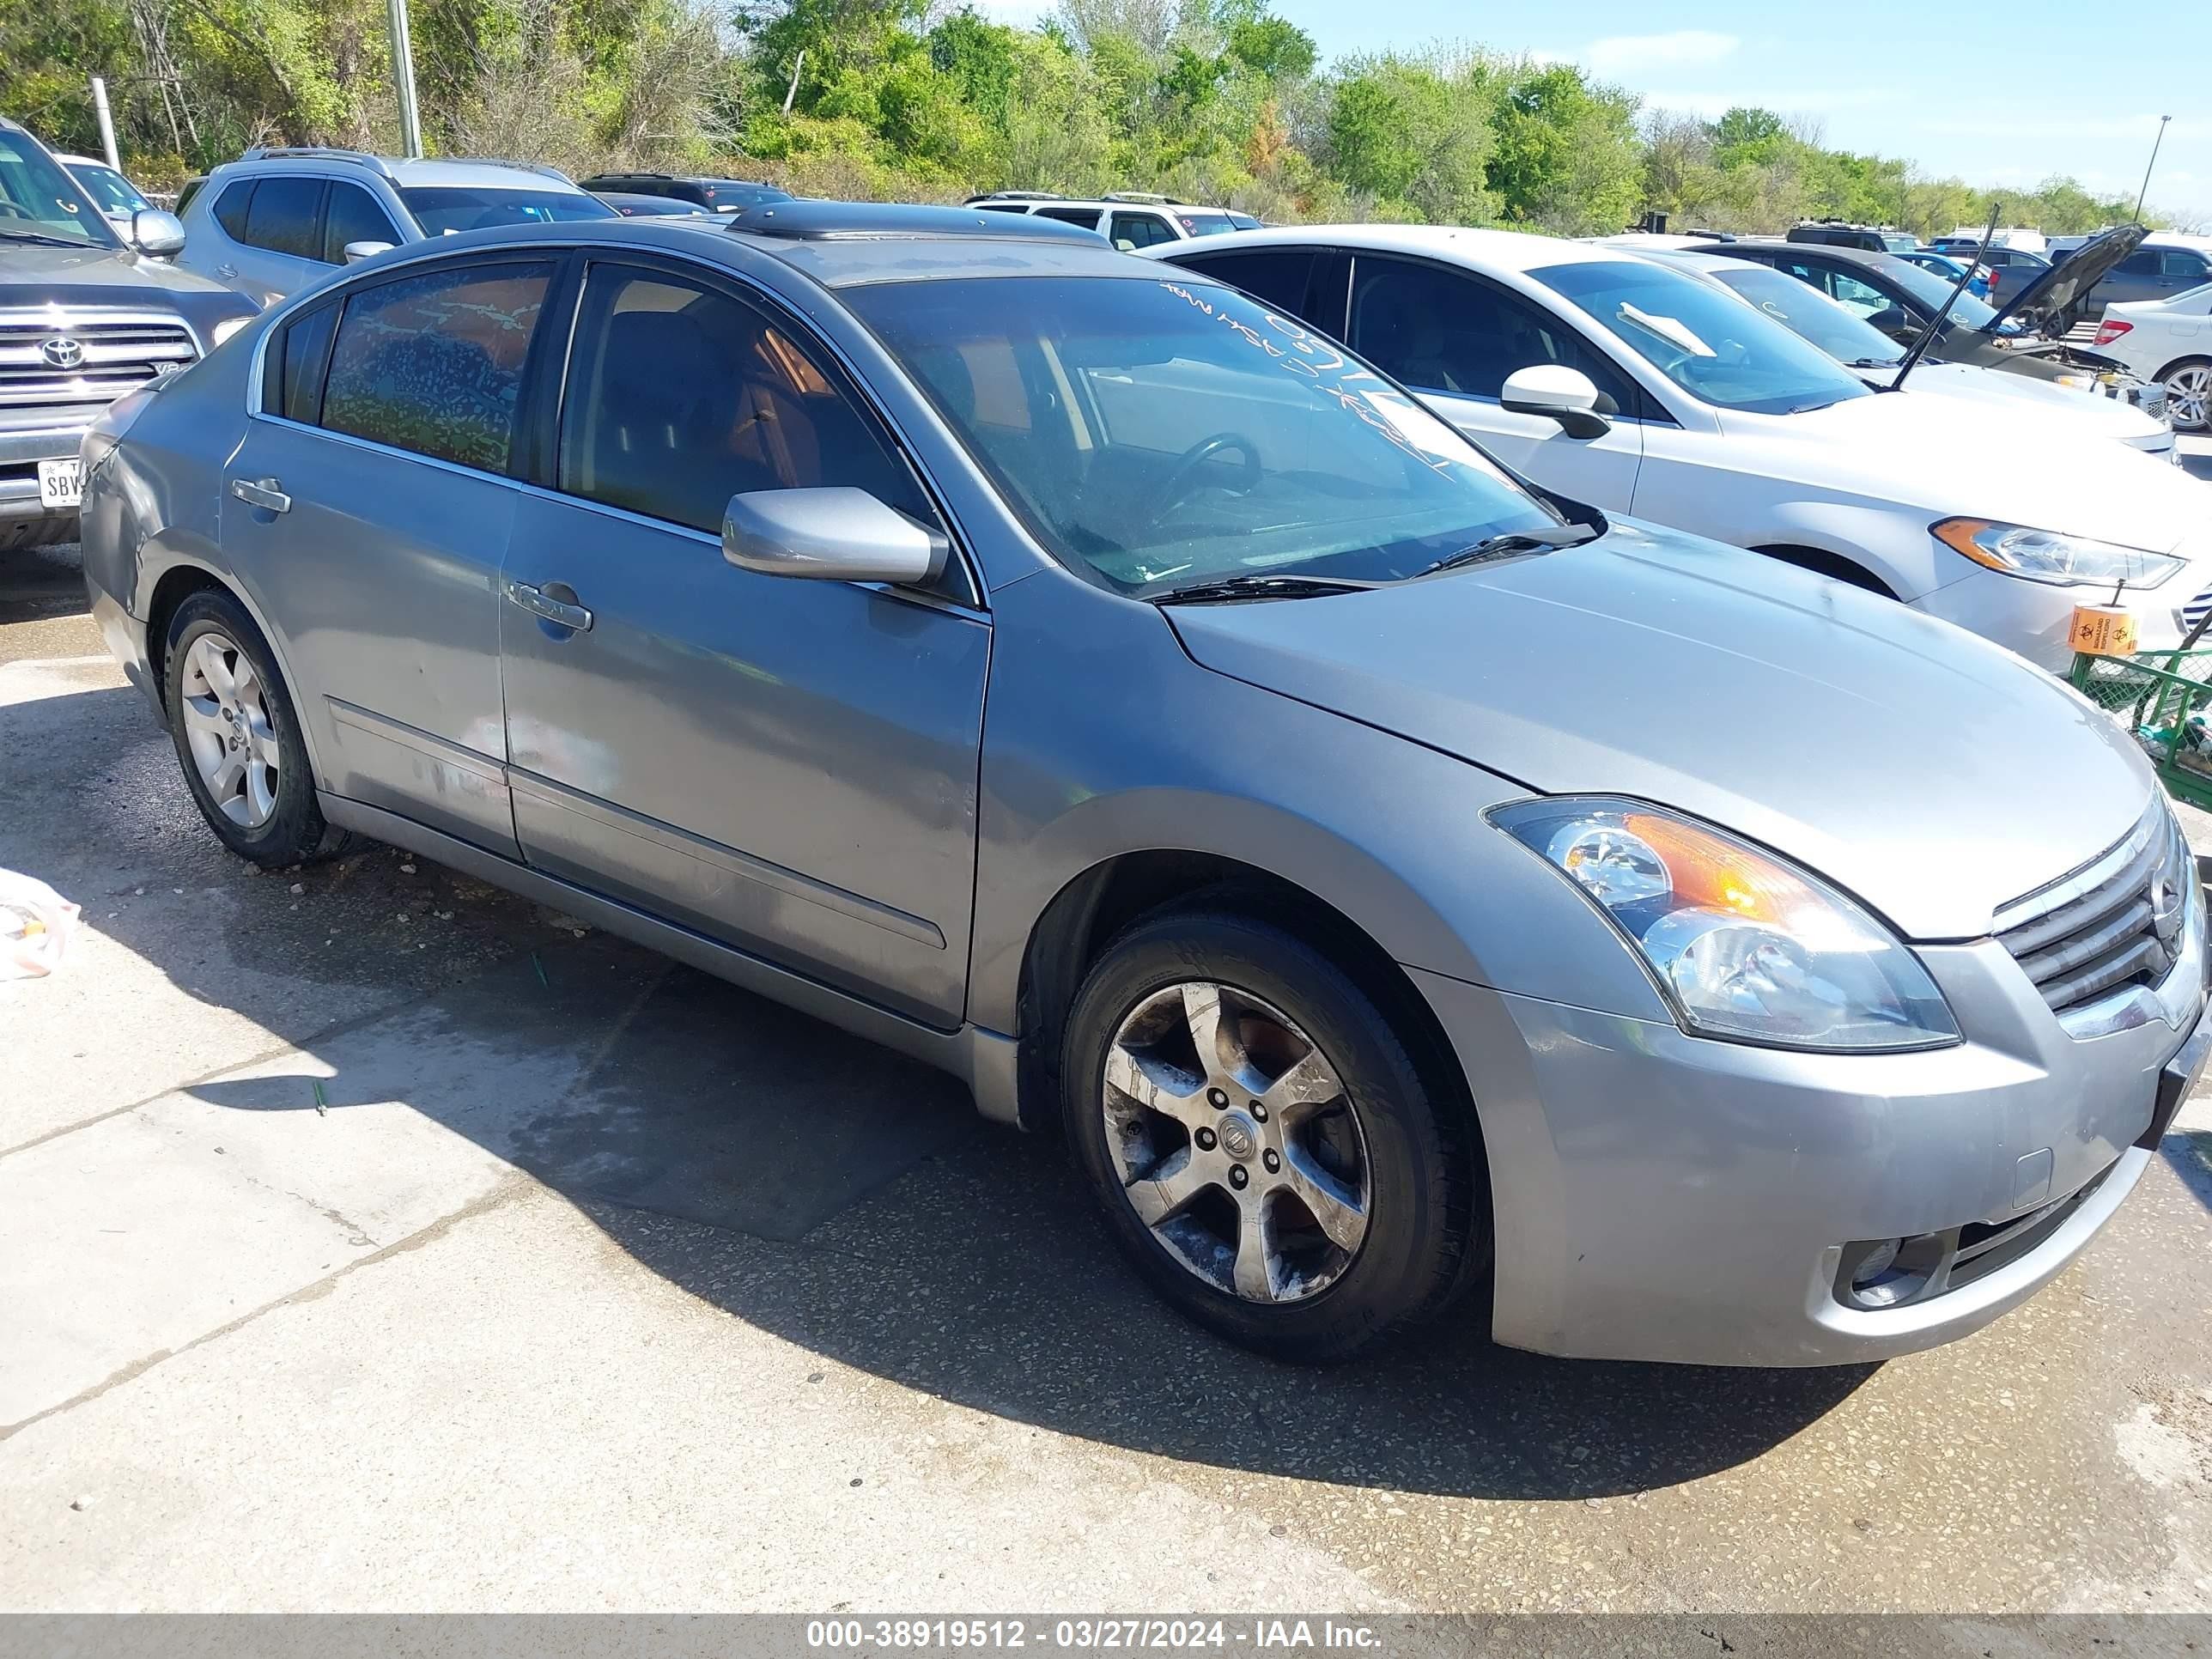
61	483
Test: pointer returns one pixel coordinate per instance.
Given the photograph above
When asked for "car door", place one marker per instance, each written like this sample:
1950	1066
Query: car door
2135	277
787	765
1454	338
369	507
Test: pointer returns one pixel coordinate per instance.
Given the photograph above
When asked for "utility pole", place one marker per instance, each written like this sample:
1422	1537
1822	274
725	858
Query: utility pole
106	123
2154	143
403	78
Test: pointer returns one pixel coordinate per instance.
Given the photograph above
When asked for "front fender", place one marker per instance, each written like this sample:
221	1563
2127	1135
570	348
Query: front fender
1090	756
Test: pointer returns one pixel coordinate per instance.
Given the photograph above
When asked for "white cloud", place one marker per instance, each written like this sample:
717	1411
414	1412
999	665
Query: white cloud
1629	54
1810	100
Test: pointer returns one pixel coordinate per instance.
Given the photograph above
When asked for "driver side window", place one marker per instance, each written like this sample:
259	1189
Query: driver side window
1438	331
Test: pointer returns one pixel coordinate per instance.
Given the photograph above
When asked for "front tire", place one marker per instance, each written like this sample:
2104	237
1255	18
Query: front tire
1264	1145
238	738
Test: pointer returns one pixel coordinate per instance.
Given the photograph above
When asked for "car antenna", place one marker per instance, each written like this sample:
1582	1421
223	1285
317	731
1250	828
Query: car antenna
1919	347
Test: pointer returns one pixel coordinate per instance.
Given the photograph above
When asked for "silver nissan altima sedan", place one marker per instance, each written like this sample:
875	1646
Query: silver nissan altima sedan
1407	889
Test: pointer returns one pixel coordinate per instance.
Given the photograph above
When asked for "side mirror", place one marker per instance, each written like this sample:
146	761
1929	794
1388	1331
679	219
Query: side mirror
155	234
357	251
838	534
1566	395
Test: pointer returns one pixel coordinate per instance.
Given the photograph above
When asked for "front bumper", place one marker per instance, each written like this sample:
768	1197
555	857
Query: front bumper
1663	1197
2035	619
55	436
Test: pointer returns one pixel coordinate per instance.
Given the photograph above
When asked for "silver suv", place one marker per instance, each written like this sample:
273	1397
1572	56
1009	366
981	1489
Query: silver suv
274	220
1128	219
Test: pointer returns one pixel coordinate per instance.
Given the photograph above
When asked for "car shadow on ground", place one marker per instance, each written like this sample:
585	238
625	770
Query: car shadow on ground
851	1201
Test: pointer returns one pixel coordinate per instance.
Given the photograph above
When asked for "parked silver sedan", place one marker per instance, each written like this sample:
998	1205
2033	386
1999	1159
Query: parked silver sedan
1404	889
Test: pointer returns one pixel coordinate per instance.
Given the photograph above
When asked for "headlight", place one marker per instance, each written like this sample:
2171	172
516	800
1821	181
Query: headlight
229	326
2044	555
1742	946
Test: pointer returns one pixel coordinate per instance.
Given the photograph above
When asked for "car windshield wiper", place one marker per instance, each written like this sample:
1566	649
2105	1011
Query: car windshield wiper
1260	587
1505	546
40	236
1873	362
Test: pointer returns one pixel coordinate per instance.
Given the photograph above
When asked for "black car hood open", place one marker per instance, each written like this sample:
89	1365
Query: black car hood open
2044	306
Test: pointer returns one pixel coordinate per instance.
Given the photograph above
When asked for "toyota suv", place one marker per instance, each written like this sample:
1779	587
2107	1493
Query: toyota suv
84	317
276	220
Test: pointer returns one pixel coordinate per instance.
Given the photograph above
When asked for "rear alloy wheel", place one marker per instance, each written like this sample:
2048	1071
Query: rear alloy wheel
238	738
2189	395
1264	1145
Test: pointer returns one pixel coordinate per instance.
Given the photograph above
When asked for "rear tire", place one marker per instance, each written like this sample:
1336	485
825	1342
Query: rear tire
2189	394
238	738
1261	1141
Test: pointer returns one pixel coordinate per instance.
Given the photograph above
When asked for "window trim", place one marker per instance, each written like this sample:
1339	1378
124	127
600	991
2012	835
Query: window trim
844	380
428	257
272	365
1649	411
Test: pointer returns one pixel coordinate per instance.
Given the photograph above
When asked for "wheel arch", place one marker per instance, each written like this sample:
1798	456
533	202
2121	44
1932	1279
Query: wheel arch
1825	562
2183	362
1097	903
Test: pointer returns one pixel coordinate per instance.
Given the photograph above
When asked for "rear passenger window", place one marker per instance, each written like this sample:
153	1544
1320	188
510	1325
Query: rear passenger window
434	363
680	397
230	209
1276	277
283	216
301	352
352	215
1136	230
1086	217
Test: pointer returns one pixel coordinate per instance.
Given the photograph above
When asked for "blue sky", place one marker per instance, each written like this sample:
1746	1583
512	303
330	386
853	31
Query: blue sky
2003	94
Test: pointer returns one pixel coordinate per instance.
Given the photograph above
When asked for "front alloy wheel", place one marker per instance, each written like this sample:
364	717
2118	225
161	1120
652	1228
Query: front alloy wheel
1236	1142
1276	1136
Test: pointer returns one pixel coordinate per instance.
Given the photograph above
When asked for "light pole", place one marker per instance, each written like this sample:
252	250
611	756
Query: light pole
2154	143
403	78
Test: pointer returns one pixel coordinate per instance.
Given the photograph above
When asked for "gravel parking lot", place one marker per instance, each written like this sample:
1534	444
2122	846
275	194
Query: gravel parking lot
370	1239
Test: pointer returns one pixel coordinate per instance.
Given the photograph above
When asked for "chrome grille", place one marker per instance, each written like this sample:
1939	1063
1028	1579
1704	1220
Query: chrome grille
2115	922
105	353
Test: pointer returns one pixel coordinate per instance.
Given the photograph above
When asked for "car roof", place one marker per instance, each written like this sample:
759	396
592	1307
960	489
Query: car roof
1506	250
405	172
955	247
83	162
1694	258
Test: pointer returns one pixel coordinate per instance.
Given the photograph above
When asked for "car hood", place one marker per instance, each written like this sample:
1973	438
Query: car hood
1936	777
2041	308
2083	411
90	275
2005	462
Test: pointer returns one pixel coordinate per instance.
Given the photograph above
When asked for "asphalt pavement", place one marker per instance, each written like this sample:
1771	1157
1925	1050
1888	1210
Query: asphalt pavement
371	1239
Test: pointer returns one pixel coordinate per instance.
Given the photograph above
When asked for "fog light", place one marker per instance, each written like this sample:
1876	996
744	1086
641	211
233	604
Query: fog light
1877	1262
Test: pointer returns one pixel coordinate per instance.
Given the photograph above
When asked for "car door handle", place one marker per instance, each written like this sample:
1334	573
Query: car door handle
538	603
226	271
265	493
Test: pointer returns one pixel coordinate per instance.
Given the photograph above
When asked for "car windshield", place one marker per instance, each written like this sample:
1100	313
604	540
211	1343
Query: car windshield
109	191
1931	290
1714	349
447	209
1168	433
39	200
1810	315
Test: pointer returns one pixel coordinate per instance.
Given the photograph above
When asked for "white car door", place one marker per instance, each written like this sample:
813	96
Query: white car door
1454	338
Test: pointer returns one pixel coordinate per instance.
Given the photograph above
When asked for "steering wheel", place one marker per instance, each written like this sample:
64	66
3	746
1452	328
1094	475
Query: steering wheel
1183	480
12	209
